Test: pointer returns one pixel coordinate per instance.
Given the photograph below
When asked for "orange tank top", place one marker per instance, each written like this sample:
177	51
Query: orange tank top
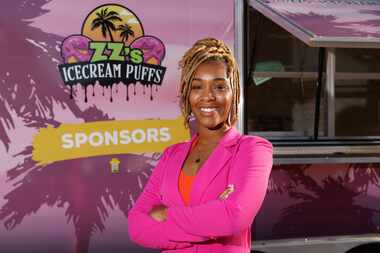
185	182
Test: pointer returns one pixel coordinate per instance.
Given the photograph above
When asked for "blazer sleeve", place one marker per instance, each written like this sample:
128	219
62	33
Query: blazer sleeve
146	231
249	174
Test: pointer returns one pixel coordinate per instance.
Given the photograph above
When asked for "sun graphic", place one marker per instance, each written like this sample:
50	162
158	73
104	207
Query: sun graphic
112	22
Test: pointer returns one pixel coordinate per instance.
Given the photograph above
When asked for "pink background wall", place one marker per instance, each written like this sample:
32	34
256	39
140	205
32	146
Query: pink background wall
79	205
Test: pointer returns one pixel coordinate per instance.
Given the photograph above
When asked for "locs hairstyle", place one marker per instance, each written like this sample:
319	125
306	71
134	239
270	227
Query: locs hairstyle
208	49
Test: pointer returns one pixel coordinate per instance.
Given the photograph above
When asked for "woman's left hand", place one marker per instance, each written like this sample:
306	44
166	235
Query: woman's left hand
230	189
158	212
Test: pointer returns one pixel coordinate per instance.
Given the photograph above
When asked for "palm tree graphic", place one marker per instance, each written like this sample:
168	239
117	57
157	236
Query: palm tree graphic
336	195
106	20
126	30
30	96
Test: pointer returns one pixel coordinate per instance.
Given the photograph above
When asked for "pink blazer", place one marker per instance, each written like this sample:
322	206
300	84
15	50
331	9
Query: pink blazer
208	224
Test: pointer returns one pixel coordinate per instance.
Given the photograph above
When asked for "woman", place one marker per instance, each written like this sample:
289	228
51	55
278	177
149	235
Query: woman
204	194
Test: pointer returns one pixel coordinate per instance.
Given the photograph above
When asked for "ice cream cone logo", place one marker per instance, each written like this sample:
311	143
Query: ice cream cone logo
112	48
115	168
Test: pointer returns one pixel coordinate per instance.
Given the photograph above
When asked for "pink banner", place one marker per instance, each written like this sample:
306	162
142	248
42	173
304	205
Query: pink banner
89	99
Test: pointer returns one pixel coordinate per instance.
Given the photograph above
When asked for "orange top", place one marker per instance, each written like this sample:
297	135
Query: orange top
185	182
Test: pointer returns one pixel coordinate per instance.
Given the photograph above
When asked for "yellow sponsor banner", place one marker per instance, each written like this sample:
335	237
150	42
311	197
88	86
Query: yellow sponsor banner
70	141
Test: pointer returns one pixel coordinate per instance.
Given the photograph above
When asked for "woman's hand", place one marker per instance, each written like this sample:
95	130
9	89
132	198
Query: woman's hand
227	192
158	213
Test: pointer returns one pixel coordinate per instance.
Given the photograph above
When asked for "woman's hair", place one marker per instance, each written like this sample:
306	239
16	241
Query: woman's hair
208	49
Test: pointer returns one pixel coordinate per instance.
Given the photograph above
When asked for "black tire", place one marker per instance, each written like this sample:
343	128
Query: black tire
373	247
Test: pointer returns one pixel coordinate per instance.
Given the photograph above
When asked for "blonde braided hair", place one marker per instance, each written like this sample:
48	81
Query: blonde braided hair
208	49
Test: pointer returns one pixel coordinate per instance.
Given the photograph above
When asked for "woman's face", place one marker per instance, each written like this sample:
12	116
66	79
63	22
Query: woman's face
211	95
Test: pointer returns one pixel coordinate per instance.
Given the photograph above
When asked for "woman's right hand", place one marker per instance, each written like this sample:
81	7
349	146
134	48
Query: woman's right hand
227	192
158	213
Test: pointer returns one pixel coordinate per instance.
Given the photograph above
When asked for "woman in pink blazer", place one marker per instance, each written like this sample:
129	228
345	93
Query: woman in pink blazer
229	172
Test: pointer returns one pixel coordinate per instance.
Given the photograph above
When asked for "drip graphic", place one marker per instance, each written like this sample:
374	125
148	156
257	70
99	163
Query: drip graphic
85	94
111	97
127	88
111	49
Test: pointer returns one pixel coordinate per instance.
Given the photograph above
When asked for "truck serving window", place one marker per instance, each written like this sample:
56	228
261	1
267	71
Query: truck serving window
281	89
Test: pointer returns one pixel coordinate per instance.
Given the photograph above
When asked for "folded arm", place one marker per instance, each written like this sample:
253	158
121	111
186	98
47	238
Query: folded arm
249	175
146	231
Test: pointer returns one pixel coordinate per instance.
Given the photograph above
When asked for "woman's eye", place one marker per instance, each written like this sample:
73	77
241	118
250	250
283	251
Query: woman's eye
195	87
220	86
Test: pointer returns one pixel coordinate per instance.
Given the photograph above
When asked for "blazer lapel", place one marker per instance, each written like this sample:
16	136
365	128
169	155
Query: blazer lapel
216	161
176	163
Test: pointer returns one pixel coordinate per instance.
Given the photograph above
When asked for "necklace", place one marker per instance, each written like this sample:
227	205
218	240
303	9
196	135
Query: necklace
198	159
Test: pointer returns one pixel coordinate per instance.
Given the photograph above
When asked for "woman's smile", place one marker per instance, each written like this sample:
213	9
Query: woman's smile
208	111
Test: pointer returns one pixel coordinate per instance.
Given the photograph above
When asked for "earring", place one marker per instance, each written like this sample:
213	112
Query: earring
191	117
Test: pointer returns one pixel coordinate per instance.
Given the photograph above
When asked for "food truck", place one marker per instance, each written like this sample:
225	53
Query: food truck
89	100
312	73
